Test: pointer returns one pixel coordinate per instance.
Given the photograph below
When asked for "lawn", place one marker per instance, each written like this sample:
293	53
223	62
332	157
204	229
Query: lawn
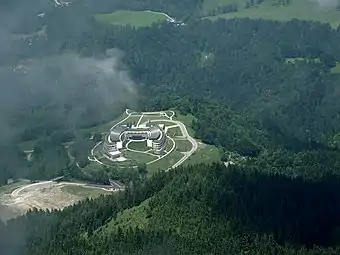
204	154
175	131
153	117
132	18
302	9
165	162
183	145
138	146
139	157
83	191
336	69
98	150
133	119
165	122
187	121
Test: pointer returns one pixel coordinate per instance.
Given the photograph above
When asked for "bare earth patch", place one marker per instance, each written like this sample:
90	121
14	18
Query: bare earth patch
42	195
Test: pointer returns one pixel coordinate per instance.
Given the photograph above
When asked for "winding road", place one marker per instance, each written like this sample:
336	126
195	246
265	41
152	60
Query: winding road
183	128
185	135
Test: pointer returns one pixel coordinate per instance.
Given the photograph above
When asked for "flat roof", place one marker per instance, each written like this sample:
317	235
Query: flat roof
154	132
115	133
114	153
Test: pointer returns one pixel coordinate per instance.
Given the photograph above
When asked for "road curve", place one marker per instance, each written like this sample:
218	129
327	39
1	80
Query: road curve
186	135
180	124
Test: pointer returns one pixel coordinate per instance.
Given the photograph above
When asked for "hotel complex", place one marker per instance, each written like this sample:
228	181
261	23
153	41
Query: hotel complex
153	134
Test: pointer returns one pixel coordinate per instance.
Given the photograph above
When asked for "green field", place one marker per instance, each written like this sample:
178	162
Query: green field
136	217
176	131
166	123
153	117
183	145
297	9
204	154
187	121
139	157
84	191
336	69
165	162
138	146
132	18
105	161
133	119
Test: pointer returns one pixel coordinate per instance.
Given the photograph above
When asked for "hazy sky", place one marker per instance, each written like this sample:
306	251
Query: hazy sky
327	3
56	80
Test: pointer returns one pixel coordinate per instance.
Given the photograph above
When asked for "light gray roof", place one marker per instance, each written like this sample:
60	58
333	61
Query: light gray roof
155	132
115	133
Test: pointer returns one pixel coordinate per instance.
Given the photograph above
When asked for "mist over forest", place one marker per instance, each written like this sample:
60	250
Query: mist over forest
262	92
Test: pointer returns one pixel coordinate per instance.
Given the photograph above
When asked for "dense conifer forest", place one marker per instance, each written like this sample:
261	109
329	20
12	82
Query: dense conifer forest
263	92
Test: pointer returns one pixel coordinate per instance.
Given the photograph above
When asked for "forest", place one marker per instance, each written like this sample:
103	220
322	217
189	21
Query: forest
264	91
199	209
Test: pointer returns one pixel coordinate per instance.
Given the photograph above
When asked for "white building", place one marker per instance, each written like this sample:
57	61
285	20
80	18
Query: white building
153	135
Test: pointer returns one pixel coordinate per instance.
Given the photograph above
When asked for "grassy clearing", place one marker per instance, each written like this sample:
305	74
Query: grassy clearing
134	217
165	162
105	161
183	145
91	168
139	146
133	119
302	9
153	117
204	154
81	191
336	69
187	121
169	145
132	18
176	131
209	5
98	150
166	123
139	157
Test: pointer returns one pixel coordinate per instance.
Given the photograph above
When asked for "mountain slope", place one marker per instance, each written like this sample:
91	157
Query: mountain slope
200	209
283	11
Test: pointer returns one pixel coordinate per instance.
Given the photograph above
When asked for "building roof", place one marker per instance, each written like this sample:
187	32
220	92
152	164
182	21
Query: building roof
116	132
115	153
155	132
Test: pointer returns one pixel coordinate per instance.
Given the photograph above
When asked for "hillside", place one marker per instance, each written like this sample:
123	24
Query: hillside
260	95
195	210
325	12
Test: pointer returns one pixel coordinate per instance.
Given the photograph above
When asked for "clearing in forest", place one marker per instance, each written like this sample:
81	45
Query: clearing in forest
133	18
273	10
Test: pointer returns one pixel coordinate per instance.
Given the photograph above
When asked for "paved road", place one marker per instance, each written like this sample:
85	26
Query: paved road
187	136
173	147
176	123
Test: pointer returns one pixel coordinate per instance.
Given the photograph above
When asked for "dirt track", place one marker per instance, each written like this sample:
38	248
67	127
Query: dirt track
42	195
